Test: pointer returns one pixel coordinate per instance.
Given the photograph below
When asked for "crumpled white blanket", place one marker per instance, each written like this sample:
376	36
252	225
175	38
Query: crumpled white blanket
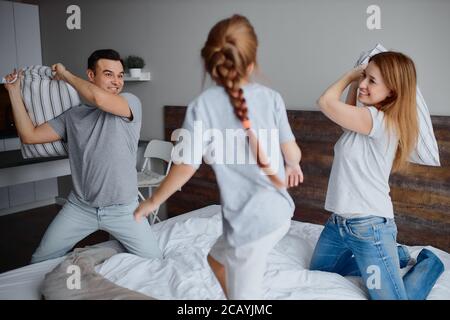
76	279
185	273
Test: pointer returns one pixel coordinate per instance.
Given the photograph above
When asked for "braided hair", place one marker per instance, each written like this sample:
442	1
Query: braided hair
228	53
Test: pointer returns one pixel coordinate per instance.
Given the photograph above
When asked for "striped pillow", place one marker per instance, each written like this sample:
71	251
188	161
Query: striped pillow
45	99
426	152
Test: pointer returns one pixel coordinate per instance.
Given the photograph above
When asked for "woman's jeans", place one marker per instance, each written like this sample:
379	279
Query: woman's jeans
367	247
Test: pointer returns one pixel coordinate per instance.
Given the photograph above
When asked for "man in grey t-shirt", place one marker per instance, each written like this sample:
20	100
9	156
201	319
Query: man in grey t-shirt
102	137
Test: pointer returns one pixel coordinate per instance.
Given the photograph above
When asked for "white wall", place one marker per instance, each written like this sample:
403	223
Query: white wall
20	45
304	45
20	42
8	40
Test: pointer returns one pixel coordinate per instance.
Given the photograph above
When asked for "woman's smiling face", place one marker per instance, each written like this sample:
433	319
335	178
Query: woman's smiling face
372	89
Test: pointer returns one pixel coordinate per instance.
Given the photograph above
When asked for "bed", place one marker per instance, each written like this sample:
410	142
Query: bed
184	273
421	197
421	200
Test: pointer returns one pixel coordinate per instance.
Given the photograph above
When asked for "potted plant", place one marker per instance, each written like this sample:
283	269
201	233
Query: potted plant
135	65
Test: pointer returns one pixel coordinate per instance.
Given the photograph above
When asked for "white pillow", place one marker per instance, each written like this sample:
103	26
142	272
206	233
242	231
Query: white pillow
45	99
426	152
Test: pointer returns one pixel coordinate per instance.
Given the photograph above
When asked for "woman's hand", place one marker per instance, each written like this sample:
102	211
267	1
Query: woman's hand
58	70
357	72
13	80
144	209
294	175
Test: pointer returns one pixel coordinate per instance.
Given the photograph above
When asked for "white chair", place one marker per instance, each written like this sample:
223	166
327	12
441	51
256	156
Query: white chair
147	178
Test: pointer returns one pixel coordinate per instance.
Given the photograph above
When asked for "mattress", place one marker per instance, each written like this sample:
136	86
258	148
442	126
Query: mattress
24	283
184	273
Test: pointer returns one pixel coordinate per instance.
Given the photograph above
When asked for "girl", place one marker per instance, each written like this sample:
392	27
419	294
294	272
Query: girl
360	236
256	207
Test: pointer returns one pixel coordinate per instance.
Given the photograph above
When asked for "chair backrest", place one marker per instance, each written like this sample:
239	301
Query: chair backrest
158	149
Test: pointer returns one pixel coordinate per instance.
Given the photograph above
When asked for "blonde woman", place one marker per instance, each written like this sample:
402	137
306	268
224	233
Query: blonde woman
360	236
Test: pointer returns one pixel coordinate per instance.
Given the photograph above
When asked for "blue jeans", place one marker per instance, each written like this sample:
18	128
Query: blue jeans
77	220
367	247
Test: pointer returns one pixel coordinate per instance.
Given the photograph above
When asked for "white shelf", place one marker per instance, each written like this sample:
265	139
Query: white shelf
145	76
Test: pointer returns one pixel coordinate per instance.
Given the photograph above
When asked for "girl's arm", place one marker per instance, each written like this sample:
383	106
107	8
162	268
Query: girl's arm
292	156
177	177
346	115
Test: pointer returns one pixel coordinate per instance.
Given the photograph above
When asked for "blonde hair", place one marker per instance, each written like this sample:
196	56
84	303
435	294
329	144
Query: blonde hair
399	75
228	53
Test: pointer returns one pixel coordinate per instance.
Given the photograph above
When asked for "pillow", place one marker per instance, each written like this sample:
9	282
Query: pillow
45	99
426	151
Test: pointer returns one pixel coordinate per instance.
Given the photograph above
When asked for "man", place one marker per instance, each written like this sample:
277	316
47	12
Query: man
102	137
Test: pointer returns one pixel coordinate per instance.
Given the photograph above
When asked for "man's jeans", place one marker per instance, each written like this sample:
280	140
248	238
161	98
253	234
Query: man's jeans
367	246
76	220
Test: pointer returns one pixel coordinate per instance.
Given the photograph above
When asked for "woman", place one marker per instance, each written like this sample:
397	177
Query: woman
360	236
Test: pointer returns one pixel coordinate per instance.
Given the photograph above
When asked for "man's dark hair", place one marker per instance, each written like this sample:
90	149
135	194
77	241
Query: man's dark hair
109	54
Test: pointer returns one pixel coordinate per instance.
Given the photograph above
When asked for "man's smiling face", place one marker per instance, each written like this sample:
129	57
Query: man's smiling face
108	75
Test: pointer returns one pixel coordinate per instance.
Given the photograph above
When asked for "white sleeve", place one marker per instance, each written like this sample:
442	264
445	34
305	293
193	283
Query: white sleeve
190	145
284	127
378	125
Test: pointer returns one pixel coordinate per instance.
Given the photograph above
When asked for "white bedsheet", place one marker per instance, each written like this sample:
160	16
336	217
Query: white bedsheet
24	283
185	274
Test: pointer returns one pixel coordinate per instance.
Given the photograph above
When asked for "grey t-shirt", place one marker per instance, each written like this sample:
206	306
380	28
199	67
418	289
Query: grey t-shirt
251	206
359	179
102	152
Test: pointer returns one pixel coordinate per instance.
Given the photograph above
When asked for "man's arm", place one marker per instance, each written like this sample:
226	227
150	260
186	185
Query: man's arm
108	102
28	133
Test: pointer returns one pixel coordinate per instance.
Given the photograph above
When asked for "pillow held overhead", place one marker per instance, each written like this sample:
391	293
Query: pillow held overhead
45	99
426	151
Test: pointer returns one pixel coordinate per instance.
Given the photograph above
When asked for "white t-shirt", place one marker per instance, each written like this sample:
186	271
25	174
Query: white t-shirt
251	206
359	179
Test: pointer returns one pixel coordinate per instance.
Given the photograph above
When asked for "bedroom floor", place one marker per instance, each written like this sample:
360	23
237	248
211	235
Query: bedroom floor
20	234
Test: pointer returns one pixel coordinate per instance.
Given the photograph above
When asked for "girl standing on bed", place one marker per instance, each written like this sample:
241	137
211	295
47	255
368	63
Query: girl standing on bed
360	236
256	208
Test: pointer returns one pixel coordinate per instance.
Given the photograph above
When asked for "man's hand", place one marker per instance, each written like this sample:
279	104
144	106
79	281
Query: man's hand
144	209
58	71
294	175
13	85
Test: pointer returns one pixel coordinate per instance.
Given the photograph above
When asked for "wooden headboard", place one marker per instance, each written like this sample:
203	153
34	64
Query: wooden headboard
421	197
